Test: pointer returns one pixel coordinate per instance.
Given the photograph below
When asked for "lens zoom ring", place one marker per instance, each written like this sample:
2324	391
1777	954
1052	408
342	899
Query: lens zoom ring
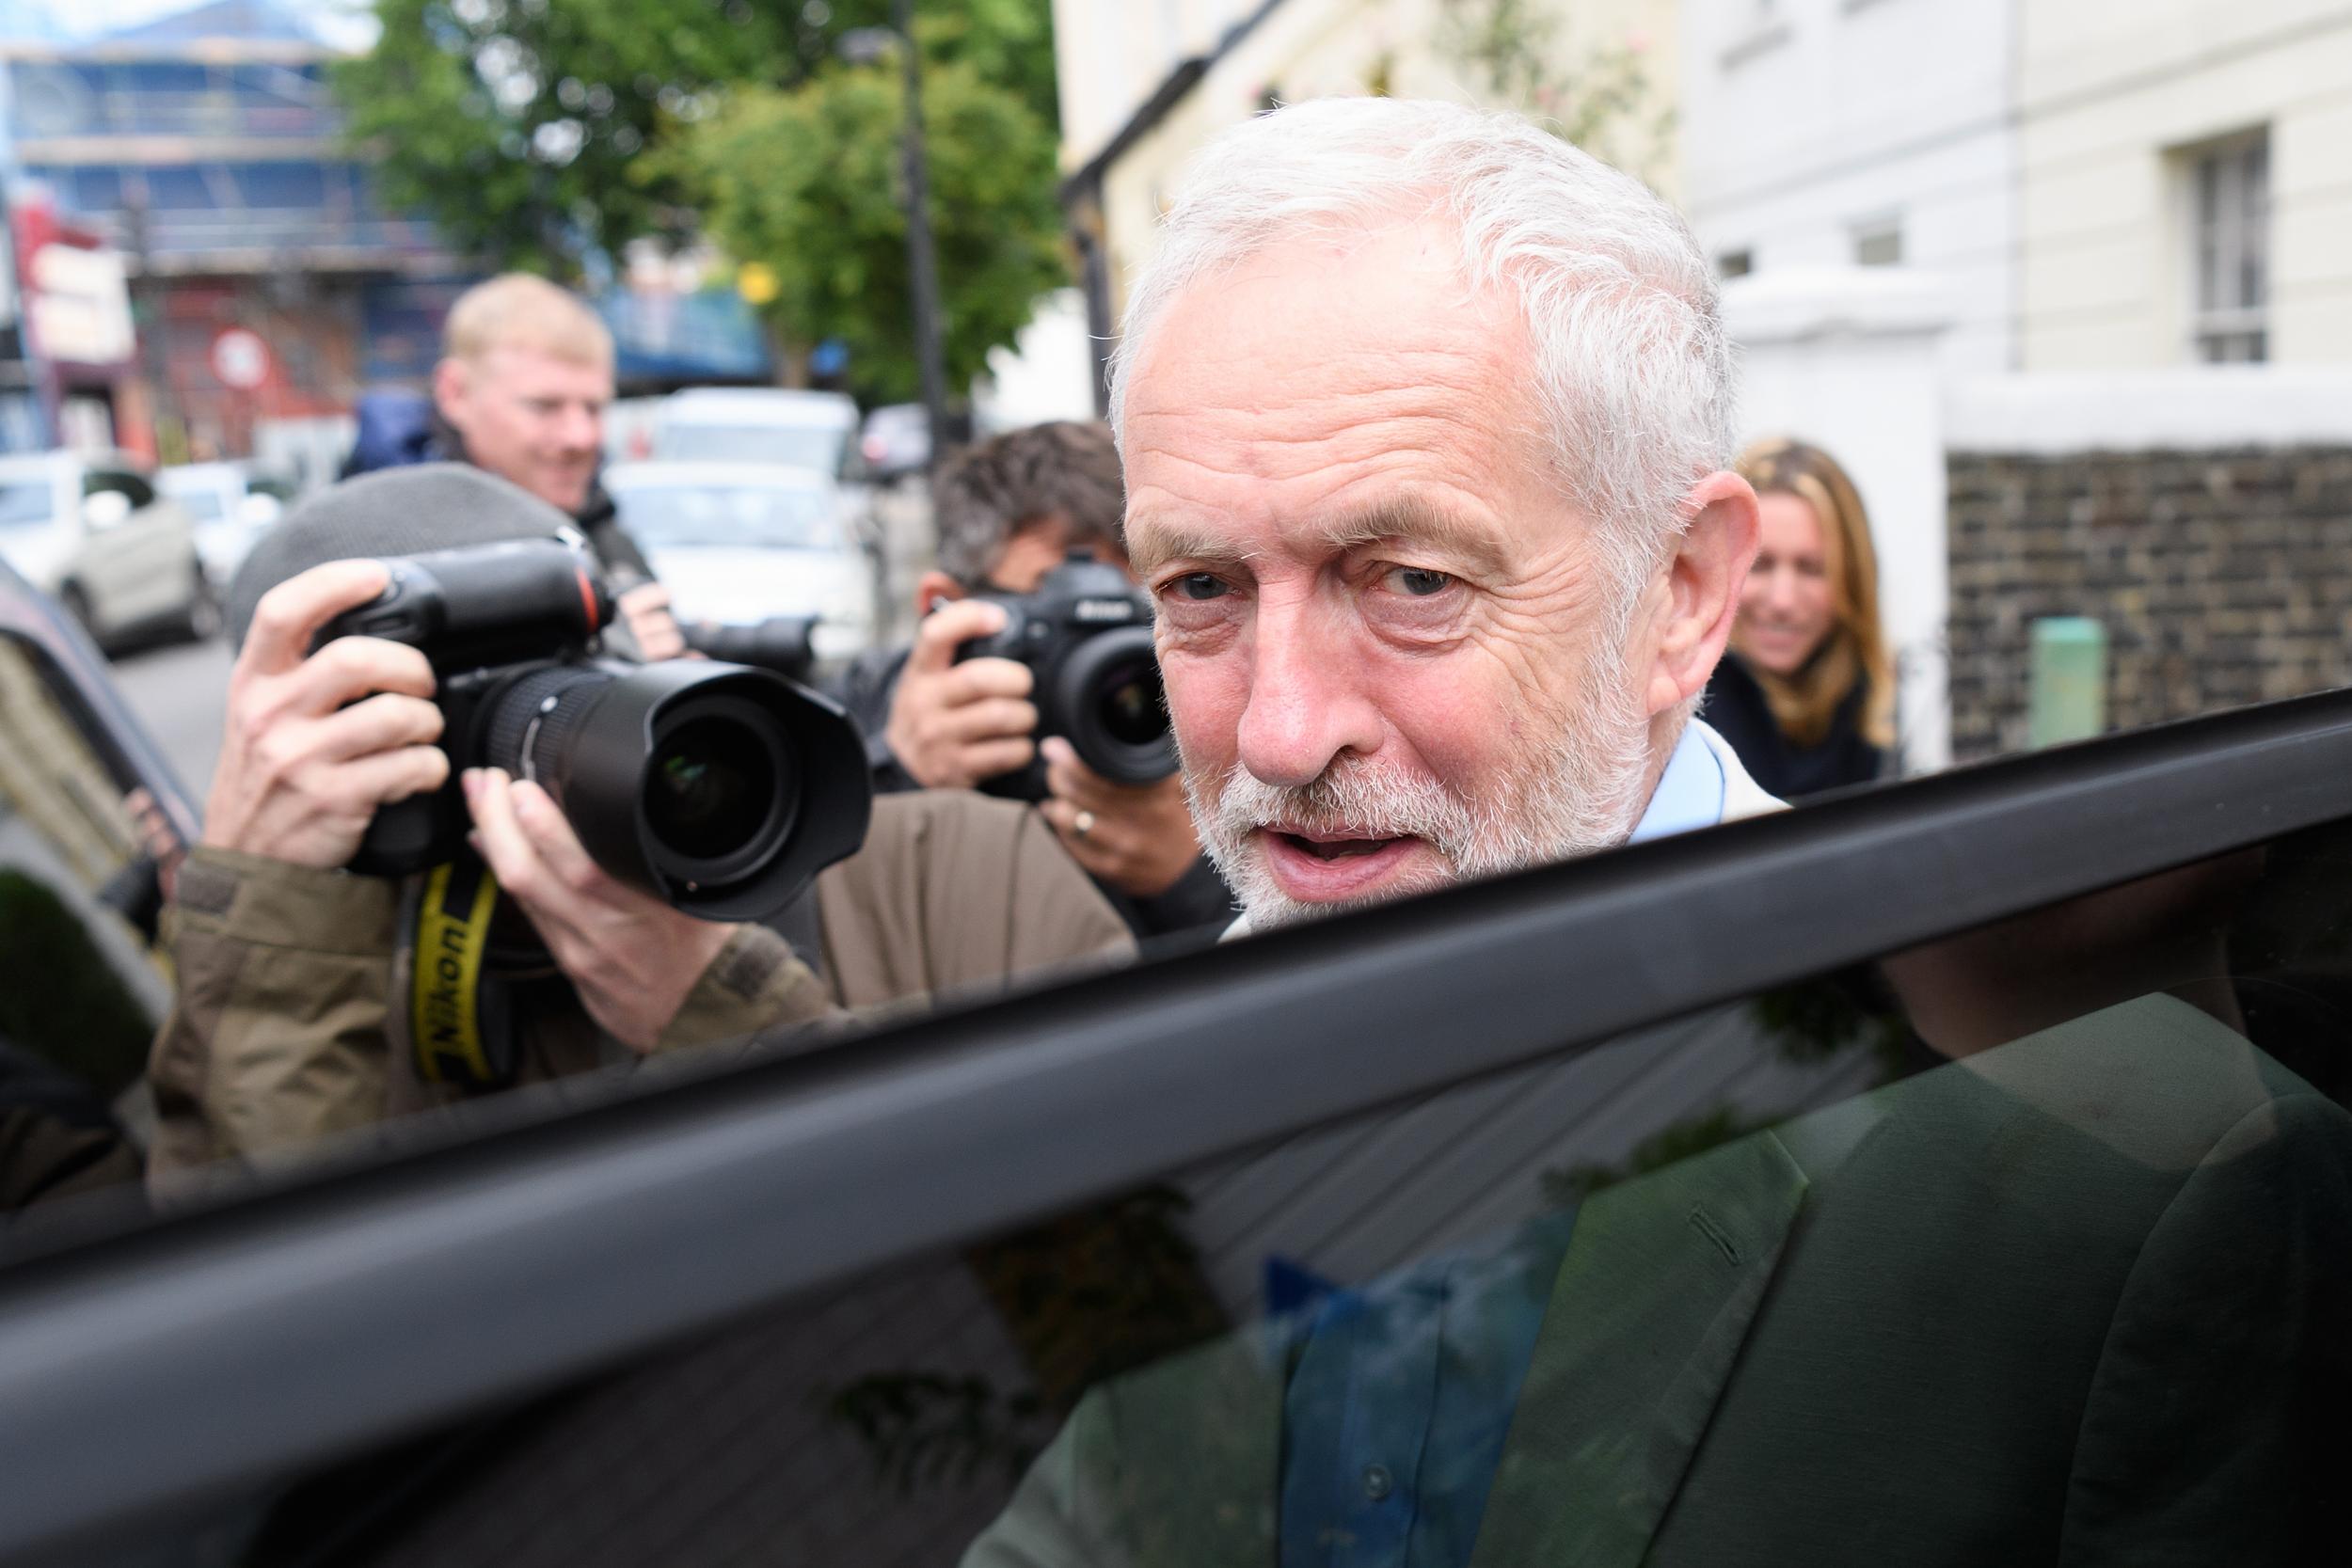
515	709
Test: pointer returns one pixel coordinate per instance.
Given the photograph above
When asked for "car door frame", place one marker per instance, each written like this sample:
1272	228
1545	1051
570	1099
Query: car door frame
316	1304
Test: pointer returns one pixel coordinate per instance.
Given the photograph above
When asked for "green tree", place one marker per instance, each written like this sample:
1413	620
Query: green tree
513	124
809	183
527	129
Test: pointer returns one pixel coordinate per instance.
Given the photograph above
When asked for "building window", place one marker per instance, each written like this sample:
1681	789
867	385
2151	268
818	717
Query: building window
1735	263
1878	244
2230	213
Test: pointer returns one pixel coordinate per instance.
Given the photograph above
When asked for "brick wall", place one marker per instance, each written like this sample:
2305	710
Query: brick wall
2224	577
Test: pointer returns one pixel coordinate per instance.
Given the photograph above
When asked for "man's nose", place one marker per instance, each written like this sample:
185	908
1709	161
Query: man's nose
580	429
1308	698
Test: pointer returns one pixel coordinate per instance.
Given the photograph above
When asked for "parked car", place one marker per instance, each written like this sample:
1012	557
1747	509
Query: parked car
738	542
813	431
1951	1171
230	504
90	530
898	440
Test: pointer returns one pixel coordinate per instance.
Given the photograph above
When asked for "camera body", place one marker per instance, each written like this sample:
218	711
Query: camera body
1086	635
719	789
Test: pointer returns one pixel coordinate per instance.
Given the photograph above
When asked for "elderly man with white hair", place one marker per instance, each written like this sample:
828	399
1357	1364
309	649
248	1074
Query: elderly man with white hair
1427	421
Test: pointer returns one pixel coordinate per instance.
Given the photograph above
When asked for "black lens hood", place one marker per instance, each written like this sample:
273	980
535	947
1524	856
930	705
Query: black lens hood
602	777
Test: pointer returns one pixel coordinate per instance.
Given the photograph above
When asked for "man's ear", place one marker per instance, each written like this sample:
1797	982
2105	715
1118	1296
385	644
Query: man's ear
933	589
1698	596
450	382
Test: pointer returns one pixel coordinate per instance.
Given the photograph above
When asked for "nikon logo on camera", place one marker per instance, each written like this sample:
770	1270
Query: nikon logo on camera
1102	610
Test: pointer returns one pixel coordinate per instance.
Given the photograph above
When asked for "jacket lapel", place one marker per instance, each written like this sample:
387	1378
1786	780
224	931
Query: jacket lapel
1662	1281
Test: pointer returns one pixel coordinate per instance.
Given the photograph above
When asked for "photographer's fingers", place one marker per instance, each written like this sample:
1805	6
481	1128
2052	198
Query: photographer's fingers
982	678
378	723
1097	849
367	783
646	610
948	627
989	758
1070	779
507	849
544	825
290	616
990	718
351	668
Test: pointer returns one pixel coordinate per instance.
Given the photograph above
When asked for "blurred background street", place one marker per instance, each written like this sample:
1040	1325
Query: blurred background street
2064	287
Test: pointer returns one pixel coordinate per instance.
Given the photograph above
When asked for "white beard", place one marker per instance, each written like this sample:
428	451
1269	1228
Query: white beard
1585	793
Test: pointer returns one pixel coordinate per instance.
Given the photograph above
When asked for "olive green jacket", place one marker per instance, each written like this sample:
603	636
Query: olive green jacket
284	1029
2079	1300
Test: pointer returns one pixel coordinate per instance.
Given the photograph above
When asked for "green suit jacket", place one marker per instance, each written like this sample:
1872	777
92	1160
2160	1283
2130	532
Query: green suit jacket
2081	1299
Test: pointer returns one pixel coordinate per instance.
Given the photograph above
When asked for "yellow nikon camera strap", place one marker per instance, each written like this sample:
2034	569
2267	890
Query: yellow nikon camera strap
446	1011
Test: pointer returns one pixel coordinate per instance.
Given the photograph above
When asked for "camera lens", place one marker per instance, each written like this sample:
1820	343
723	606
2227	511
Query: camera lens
1106	698
1130	706
711	789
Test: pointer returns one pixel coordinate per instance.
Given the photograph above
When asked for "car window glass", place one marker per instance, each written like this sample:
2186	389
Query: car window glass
24	500
116	481
203	506
80	995
817	450
2024	1233
746	517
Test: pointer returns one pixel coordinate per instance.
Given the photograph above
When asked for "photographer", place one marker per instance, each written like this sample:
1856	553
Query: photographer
1009	511
520	391
293	1016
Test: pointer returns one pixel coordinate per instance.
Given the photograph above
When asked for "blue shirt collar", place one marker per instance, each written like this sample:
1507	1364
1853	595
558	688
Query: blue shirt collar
1690	793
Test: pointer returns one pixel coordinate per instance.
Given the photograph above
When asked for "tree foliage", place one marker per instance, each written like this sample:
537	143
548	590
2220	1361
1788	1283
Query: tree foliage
513	124
809	182
529	131
545	134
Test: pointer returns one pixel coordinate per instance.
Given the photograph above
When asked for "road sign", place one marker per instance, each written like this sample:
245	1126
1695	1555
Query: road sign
239	359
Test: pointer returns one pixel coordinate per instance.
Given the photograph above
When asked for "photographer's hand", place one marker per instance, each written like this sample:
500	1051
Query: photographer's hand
1140	838
646	611
951	725
632	957
316	742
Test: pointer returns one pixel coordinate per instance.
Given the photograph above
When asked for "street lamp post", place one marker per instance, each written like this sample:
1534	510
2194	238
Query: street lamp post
922	256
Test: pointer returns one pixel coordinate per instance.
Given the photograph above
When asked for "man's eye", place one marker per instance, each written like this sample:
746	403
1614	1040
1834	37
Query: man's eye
1419	582
1200	585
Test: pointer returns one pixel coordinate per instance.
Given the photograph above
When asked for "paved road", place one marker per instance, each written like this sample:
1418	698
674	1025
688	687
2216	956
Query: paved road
180	692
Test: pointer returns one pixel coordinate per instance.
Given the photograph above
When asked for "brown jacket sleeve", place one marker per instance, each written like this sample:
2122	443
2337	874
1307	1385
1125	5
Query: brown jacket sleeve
956	894
281	1033
276	1035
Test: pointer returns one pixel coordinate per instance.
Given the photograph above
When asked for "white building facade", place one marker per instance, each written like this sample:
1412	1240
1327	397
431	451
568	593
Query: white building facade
1860	133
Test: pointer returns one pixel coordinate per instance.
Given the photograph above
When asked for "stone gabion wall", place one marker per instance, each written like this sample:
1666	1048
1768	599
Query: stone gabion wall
2224	577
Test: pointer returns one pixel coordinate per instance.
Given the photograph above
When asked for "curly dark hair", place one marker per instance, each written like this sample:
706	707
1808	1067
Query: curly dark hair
986	494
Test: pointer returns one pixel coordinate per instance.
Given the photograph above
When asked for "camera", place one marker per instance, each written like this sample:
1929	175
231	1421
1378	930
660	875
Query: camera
783	644
1086	635
721	789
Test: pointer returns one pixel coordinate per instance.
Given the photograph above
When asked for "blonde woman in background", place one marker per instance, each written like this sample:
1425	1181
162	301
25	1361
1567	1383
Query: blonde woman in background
1807	694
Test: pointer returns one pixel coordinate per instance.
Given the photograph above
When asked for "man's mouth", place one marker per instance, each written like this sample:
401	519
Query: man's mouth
1333	848
1322	867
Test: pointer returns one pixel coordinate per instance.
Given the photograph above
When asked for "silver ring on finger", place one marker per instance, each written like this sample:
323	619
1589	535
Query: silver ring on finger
1082	825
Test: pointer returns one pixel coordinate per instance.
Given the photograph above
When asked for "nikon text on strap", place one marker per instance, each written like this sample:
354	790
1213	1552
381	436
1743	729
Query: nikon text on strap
456	1014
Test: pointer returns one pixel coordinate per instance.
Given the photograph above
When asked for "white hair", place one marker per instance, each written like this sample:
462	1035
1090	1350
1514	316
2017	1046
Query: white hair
1633	373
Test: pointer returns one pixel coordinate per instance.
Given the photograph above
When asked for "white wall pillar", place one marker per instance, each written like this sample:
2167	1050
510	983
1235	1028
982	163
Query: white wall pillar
1845	358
